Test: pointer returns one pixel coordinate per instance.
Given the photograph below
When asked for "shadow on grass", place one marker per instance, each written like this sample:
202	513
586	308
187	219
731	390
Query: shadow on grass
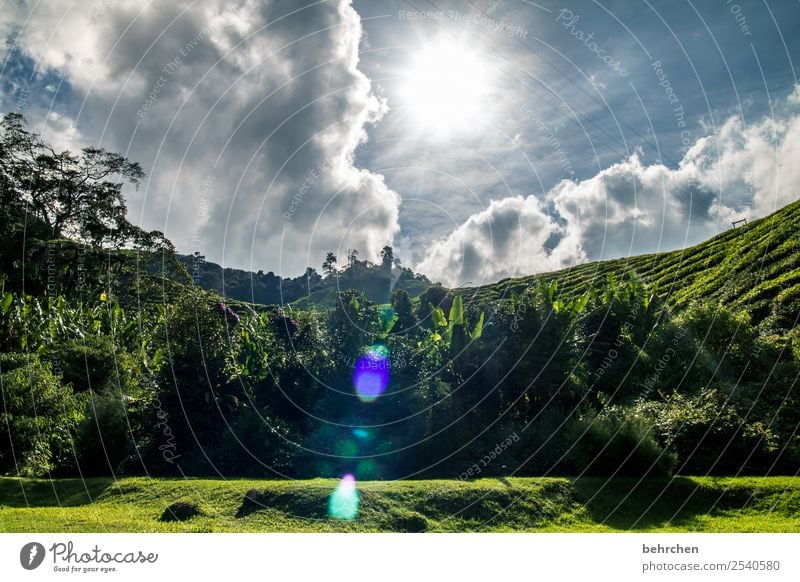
56	493
625	503
311	504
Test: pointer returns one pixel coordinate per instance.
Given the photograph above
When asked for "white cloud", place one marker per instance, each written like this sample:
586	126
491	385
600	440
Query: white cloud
263	97
794	98
630	208
509	238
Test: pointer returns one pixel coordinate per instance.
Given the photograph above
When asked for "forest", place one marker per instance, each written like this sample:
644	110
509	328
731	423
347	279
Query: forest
114	360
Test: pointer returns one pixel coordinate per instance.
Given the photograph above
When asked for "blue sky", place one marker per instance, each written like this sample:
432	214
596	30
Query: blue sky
483	139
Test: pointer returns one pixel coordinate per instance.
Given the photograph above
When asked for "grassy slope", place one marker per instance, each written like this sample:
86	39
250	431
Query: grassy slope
326	296
746	504
755	267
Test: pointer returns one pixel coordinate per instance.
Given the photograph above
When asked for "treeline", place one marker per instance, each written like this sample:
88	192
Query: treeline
109	364
609	384
375	280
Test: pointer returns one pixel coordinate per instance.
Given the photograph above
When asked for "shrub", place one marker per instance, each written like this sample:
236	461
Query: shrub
617	441
407	521
709	435
38	418
181	511
103	438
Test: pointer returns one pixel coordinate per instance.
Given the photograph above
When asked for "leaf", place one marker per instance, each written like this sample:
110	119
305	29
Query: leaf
579	305
7	299
437	316
354	304
478	329
457	311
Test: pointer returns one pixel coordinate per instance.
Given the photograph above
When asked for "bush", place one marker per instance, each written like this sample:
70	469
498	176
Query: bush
617	441
710	436
181	511
88	363
407	521
38	419
103	440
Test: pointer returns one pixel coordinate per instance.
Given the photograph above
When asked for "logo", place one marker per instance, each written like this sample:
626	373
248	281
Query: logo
31	555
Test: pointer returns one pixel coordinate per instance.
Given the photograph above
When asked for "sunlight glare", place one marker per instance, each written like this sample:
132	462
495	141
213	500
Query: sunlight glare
446	88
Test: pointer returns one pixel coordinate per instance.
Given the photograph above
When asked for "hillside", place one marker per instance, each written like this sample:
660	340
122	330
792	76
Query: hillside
306	291
740	504
754	267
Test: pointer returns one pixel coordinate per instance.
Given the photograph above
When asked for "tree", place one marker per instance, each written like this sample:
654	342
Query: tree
78	196
312	278
328	265
39	415
387	258
352	257
401	303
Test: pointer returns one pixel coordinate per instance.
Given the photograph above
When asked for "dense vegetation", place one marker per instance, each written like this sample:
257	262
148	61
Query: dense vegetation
113	362
753	268
309	290
589	504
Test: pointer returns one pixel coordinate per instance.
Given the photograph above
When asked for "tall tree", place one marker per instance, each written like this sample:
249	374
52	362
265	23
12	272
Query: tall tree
387	258
352	257
329	265
76	196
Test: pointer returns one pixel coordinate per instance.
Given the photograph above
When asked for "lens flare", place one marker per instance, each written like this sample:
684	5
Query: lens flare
371	375
361	433
343	503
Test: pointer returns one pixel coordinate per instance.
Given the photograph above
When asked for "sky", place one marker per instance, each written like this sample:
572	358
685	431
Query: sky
481	139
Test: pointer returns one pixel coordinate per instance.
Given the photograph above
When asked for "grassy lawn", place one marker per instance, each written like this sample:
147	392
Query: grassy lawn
742	504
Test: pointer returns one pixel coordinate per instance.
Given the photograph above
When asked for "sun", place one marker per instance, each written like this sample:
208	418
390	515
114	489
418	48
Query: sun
446	88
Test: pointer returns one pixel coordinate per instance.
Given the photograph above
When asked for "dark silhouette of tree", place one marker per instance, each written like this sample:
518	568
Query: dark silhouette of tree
352	257
387	258
328	265
76	196
404	309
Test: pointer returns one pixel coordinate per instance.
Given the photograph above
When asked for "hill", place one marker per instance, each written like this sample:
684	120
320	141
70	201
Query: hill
306	291
755	268
731	504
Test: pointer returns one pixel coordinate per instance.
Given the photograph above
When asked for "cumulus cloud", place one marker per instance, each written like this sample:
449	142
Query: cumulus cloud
631	207
245	116
511	237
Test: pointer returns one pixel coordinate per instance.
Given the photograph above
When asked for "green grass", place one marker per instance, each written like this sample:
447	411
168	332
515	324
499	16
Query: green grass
755	268
742	504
